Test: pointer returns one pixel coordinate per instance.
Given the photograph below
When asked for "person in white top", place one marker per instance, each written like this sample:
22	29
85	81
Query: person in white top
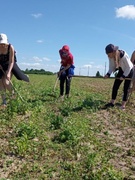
119	59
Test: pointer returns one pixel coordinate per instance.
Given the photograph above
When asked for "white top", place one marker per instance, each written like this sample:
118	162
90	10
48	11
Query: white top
124	62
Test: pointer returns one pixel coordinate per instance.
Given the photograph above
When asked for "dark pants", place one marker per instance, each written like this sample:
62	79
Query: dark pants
117	84
62	82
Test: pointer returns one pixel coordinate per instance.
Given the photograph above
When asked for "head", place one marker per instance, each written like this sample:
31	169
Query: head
111	50
3	39
65	50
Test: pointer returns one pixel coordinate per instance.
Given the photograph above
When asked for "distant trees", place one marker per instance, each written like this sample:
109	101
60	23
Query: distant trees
36	71
98	74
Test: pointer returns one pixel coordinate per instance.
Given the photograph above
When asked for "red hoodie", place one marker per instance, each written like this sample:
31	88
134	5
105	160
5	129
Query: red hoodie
66	56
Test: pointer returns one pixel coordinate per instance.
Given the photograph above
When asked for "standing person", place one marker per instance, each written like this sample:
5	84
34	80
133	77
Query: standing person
66	70
6	65
125	70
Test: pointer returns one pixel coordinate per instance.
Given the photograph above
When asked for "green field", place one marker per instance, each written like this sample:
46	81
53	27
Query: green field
45	138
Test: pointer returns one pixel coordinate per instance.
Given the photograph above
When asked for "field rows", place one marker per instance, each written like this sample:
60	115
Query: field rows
46	138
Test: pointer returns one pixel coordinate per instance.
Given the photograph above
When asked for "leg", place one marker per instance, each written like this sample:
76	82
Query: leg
126	88
7	84
2	88
116	86
62	81
68	83
125	92
3	92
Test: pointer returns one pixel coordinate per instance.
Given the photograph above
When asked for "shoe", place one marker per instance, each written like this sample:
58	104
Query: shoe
3	106
13	96
61	97
122	108
67	95
109	105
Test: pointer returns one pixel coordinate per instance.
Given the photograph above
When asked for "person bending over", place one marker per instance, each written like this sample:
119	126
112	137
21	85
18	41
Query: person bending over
125	72
66	70
6	65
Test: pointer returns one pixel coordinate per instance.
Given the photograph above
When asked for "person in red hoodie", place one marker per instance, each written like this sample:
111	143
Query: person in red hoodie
66	70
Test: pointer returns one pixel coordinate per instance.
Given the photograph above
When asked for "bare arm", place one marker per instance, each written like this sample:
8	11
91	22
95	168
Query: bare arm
11	62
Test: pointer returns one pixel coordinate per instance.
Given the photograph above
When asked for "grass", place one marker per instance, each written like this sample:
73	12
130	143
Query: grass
45	138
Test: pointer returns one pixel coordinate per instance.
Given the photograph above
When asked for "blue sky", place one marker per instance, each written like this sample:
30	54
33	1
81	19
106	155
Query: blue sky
39	28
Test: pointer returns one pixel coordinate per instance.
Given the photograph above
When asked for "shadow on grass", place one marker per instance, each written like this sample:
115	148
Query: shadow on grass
90	103
52	95
41	99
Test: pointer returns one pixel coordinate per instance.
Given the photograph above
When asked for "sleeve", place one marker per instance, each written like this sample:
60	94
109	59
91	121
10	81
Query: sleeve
70	59
15	58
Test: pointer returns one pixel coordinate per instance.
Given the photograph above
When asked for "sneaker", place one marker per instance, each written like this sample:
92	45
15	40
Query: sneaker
13	96
122	108
3	106
67	95
61	97
109	105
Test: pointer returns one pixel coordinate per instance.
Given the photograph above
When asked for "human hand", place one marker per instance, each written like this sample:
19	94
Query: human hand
59	73
106	76
8	76
121	78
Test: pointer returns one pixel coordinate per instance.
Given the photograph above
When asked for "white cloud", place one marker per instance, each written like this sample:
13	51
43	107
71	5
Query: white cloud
46	59
87	65
99	67
38	65
35	58
59	60
39	41
127	12
38	15
30	64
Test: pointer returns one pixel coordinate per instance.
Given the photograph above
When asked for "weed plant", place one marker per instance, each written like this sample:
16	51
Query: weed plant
43	137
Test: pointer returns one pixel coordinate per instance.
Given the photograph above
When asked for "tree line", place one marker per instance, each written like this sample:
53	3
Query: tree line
42	71
36	71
